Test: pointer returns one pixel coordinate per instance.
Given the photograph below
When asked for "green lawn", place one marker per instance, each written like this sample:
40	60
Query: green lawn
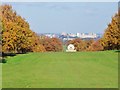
62	70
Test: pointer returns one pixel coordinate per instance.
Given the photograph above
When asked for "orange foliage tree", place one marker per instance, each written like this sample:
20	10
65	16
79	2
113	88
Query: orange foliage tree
79	44
86	45
17	37
95	46
111	37
52	44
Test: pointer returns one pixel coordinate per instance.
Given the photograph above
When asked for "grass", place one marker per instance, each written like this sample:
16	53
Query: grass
62	70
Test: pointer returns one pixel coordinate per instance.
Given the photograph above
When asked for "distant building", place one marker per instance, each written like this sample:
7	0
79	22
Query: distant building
83	35
63	33
70	36
78	34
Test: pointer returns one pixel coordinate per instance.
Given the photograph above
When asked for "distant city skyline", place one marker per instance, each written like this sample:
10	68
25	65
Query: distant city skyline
69	17
71	36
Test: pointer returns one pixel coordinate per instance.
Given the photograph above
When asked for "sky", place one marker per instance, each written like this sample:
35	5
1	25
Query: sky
69	17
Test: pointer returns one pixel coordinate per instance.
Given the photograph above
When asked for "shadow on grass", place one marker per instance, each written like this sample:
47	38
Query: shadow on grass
3	60
117	51
3	56
8	54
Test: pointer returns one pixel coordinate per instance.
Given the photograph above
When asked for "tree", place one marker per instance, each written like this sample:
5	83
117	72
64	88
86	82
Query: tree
79	44
88	43
111	37
95	46
17	37
52	44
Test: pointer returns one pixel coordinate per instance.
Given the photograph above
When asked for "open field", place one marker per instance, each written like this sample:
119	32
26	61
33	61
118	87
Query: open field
62	70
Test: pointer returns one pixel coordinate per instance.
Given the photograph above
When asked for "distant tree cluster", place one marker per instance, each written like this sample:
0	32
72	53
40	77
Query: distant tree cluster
16	34
86	45
95	46
52	44
111	37
17	37
79	44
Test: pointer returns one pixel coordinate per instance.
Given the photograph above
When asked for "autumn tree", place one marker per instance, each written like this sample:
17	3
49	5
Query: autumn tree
111	37
88	43
17	37
95	46
79	44
52	44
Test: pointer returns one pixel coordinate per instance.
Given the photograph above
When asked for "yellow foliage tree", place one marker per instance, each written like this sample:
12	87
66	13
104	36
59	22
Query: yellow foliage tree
111	37
17	37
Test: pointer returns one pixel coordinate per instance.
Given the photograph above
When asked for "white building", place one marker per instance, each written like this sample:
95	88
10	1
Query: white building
78	34
83	35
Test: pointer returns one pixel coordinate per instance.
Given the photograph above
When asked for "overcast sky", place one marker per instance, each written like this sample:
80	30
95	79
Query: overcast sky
69	17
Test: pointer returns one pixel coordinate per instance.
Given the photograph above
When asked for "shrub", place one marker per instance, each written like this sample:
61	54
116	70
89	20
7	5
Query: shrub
95	46
52	44
81	45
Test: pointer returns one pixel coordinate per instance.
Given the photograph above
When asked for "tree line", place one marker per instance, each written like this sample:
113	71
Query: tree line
17	37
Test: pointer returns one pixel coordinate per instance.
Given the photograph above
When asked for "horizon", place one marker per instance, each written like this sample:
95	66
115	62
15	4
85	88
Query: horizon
69	17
